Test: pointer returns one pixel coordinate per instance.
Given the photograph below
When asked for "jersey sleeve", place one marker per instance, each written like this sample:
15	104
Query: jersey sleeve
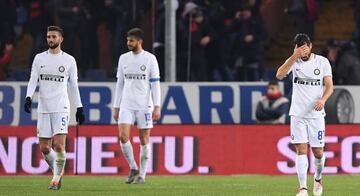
327	68
34	76
119	85
73	84
154	72
155	82
119	72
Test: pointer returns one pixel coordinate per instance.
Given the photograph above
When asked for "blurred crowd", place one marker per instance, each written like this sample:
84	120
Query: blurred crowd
86	24
217	40
344	55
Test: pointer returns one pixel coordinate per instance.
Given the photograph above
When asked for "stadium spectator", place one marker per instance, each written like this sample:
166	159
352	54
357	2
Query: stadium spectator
39	19
273	107
344	60
305	13
199	34
116	16
5	57
89	16
67	15
219	50
159	42
222	15
7	35
331	52
250	33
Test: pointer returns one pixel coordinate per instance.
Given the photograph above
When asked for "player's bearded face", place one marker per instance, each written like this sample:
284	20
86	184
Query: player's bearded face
54	39
133	44
308	54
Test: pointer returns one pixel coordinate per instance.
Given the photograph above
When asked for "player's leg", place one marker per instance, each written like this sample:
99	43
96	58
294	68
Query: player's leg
299	137
47	151
144	119
317	142
59	146
319	162
126	119
59	123
144	135
302	165
45	134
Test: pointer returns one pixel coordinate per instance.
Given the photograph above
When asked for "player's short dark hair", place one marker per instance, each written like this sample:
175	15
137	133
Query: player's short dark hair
56	28
136	32
273	82
301	39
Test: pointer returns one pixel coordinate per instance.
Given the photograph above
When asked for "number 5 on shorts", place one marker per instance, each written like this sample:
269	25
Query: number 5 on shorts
64	120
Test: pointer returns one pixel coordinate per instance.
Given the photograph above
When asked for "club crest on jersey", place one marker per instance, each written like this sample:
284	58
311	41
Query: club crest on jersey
61	68
142	67
316	71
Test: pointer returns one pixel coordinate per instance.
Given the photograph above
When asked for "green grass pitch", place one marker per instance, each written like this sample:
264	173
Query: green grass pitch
176	185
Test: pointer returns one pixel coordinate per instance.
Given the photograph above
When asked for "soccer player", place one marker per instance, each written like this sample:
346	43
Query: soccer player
137	99
311	72
55	71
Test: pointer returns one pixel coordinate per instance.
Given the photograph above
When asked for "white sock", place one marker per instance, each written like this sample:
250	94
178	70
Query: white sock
319	166
50	158
128	153
301	169
59	165
144	158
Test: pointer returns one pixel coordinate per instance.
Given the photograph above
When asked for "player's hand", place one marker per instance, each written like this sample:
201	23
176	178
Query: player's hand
300	51
27	105
80	117
319	105
116	114
156	113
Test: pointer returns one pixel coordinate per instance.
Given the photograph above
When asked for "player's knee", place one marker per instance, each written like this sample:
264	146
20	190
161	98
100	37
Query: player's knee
318	153
45	149
144	140
301	149
59	147
124	138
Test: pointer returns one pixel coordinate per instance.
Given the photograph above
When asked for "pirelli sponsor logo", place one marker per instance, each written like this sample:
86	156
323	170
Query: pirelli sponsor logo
49	77
306	81
135	76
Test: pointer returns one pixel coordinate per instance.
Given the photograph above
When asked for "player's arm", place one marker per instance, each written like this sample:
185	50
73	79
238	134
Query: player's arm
328	83
329	89
73	85
31	87
155	88
284	69
118	91
34	76
74	89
